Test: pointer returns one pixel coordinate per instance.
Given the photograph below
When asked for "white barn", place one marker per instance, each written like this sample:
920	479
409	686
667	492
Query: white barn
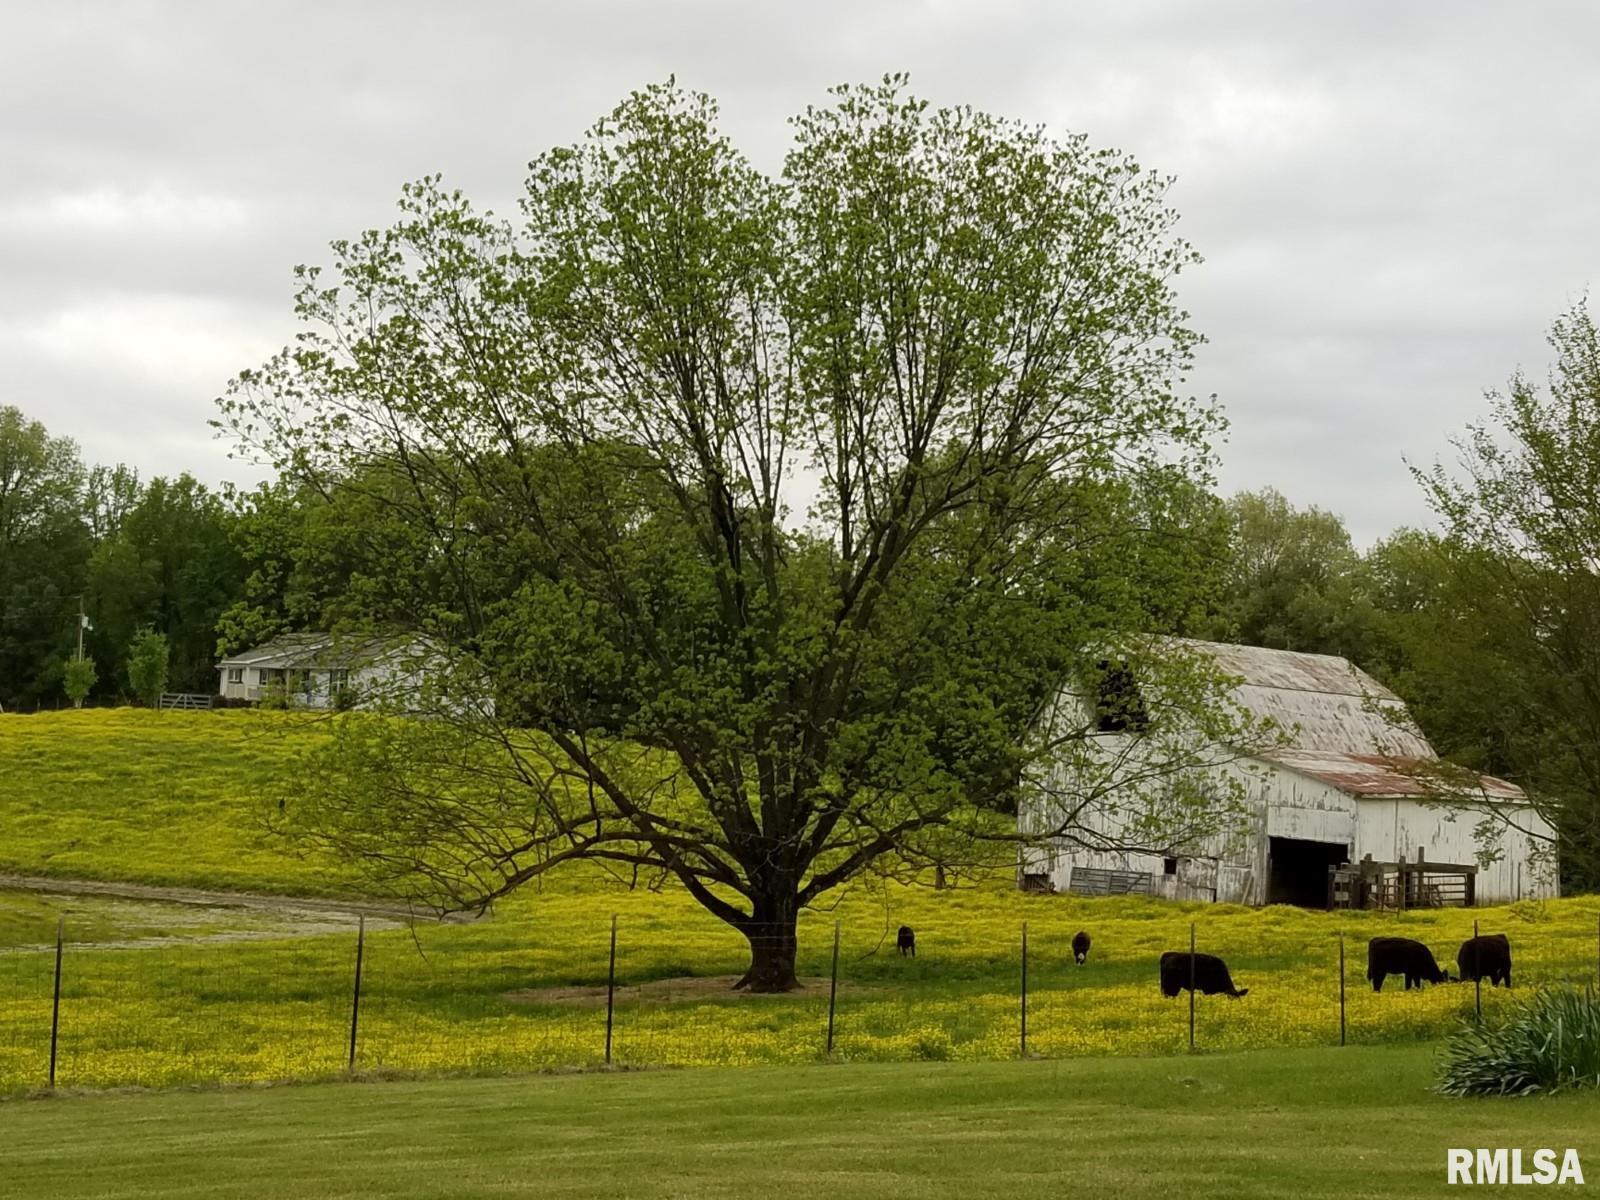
1344	787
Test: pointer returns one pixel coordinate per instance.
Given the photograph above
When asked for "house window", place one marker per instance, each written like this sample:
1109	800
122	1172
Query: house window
1119	708
270	675
1169	866
338	677
235	674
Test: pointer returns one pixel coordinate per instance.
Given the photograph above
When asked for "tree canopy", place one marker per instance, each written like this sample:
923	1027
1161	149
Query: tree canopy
770	513
1508	658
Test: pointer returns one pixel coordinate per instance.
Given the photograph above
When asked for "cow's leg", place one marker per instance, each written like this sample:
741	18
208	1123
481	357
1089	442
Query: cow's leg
1377	983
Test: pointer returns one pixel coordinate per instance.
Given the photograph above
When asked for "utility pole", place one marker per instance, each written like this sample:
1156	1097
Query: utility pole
83	623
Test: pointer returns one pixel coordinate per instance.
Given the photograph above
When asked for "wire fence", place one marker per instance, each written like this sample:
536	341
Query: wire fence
320	1006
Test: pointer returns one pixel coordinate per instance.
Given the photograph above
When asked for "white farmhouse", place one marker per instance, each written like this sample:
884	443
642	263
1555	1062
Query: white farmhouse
1344	788
317	670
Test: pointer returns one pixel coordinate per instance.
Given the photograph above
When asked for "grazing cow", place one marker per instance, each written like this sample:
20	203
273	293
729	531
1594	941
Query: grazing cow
1401	956
1487	957
907	941
1080	947
1210	975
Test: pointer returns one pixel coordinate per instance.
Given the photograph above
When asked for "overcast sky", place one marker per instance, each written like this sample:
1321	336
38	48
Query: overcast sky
1393	199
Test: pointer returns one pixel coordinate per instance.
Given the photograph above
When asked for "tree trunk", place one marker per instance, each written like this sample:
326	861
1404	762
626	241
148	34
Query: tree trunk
771	933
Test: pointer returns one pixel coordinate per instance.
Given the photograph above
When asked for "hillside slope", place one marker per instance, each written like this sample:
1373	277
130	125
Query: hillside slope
153	797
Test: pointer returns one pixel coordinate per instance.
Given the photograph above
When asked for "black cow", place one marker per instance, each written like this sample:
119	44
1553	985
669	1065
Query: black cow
907	941
1080	947
1401	956
1210	975
1487	957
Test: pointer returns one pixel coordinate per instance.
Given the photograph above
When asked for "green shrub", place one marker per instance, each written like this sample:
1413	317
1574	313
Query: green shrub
78	677
1549	1043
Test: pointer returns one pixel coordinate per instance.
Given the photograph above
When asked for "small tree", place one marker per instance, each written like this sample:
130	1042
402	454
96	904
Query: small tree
79	680
147	666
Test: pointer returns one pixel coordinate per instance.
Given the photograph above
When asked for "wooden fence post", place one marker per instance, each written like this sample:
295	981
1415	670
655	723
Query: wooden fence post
55	1004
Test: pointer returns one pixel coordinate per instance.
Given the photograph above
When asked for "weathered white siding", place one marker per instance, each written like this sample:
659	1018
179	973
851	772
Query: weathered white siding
1337	784
1400	827
1285	804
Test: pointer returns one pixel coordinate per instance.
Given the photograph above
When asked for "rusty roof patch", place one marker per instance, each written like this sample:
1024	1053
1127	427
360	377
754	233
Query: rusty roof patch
1378	775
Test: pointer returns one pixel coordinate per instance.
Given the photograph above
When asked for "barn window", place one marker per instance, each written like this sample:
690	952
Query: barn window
1169	866
1119	708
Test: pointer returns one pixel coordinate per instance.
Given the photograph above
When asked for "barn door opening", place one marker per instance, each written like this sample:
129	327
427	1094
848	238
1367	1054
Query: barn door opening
1297	870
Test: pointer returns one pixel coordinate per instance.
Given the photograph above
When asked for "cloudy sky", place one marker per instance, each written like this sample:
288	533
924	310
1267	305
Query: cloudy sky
1393	199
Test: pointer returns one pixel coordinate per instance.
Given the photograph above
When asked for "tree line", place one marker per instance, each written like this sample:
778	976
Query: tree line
157	577
1487	627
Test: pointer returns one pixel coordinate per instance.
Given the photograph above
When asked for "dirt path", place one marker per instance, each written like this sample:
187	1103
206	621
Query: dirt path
185	895
291	916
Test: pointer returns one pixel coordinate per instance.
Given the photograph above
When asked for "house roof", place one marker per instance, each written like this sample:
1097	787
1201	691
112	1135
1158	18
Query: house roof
1375	776
303	651
1325	703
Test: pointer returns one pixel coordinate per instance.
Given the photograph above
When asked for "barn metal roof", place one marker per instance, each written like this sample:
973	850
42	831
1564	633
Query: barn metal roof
1292	670
1324	703
1377	776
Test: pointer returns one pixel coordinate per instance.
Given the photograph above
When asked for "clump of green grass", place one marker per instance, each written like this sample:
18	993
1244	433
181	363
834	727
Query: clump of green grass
1549	1044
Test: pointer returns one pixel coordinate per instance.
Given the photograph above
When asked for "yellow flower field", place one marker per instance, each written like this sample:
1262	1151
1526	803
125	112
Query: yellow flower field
172	798
526	989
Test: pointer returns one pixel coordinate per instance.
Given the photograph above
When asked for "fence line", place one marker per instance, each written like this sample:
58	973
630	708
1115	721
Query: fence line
286	1009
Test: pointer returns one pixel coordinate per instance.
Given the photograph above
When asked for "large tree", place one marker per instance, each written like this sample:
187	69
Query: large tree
44	546
165	558
772	513
1512	649
1294	581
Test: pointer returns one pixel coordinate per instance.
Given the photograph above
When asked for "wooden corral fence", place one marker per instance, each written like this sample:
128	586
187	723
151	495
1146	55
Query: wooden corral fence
1402	885
185	700
1091	881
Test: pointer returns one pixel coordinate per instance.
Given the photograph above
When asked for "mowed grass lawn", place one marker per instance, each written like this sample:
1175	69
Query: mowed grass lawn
1302	1123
